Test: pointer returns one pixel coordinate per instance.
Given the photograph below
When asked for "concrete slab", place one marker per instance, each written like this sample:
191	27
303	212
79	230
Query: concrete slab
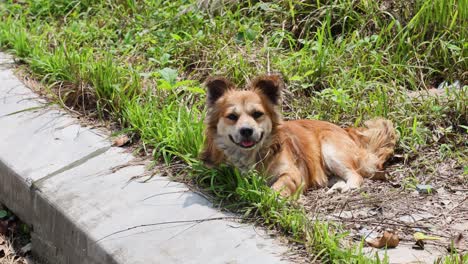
48	129
60	177
167	206
35	140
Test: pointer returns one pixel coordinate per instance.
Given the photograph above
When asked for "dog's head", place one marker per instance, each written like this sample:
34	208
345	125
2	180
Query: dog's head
243	118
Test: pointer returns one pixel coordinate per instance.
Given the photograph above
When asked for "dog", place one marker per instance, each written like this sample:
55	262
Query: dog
245	128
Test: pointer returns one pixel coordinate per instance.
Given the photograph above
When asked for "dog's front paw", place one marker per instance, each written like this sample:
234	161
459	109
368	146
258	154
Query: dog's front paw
342	187
339	186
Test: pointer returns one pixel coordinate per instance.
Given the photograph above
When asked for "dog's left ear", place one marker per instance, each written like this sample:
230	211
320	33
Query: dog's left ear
270	85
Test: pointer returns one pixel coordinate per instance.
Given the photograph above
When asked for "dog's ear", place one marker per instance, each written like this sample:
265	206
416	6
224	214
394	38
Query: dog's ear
216	87
270	85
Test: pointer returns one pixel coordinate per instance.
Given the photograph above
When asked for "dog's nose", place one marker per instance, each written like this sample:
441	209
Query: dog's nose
246	131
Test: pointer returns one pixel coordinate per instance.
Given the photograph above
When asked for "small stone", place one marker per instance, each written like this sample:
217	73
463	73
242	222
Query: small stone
407	219
424	188
344	215
413	218
449	220
445	202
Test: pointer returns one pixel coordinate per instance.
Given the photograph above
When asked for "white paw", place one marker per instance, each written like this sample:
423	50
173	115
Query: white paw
353	185
340	186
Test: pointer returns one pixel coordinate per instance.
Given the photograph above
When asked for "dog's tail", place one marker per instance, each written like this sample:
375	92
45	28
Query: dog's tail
378	138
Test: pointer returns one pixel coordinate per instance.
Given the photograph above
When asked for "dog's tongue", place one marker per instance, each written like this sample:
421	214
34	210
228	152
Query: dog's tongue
247	143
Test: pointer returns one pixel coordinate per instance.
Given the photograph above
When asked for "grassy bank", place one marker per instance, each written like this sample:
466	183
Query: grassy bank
141	64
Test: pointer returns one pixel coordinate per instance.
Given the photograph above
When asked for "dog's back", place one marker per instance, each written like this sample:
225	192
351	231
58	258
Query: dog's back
321	148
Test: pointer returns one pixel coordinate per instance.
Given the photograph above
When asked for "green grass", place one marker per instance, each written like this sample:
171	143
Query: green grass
140	64
454	259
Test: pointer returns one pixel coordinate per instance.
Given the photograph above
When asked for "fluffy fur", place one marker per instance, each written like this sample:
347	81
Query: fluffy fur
245	129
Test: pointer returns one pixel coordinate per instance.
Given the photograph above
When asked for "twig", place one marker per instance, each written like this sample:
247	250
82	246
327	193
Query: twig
172	222
382	222
26	109
458	205
343	207
374	229
159	194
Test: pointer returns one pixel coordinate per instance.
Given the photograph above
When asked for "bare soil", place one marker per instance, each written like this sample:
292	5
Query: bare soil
399	206
15	242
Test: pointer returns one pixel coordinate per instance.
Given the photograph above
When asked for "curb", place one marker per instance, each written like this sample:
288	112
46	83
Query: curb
61	179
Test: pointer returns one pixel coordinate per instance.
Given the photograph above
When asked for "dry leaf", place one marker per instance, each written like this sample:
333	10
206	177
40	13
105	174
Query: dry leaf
120	140
420	236
389	240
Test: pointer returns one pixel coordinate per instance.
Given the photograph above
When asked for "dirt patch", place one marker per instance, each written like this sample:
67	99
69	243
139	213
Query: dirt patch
15	242
10	252
428	195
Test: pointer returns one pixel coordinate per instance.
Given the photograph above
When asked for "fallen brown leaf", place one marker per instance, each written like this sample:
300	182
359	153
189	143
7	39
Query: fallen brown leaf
120	140
389	240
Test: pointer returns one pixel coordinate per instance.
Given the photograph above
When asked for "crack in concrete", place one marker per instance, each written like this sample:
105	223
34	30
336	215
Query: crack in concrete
70	166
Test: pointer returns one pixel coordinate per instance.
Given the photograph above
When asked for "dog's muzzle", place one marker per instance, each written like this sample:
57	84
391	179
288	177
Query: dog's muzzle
246	141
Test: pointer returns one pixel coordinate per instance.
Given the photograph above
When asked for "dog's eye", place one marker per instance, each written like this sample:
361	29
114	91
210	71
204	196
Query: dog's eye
257	114
232	117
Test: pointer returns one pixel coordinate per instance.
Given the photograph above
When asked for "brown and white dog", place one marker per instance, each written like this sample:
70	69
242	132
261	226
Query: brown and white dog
245	128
